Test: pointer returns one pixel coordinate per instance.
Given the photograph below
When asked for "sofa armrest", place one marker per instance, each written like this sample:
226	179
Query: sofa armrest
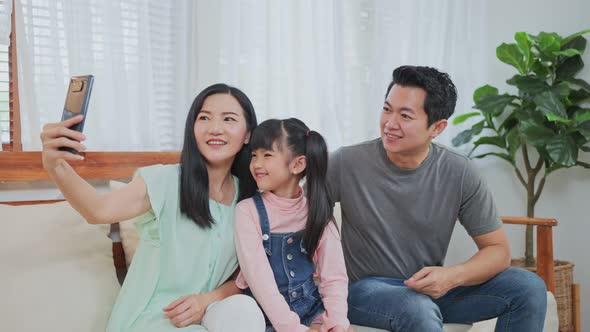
545	268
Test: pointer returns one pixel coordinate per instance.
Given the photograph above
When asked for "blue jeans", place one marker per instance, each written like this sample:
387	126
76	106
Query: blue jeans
517	297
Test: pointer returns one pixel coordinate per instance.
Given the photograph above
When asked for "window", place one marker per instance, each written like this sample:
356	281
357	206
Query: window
4	98
131	47
9	105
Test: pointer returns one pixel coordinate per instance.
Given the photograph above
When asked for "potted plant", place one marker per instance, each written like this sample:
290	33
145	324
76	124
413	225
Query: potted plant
547	114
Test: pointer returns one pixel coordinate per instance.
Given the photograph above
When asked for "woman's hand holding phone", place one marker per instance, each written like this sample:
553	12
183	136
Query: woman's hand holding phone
56	135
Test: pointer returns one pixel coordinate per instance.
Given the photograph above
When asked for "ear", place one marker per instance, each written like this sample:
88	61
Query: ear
298	165
438	127
247	140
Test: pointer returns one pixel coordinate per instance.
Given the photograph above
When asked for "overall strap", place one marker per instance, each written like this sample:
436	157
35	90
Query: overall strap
264	223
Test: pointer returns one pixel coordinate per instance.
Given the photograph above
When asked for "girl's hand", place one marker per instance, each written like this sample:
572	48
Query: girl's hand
187	310
56	135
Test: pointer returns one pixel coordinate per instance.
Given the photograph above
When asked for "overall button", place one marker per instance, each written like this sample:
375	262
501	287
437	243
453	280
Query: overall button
289	257
265	237
292	274
294	295
290	240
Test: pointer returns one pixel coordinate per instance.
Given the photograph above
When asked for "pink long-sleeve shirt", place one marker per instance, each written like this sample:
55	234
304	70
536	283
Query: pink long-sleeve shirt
289	215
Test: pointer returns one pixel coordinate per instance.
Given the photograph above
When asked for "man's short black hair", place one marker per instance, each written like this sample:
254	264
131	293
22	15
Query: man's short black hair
441	93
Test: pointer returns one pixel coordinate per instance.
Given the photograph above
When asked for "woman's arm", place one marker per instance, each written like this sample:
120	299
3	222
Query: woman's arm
95	207
190	309
333	284
224	291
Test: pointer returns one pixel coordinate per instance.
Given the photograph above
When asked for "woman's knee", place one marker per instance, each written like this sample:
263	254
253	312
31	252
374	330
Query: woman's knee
235	313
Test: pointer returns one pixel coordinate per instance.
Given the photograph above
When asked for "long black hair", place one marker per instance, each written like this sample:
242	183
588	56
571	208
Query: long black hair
194	180
294	136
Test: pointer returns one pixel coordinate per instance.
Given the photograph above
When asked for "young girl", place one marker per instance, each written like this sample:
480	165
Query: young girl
283	236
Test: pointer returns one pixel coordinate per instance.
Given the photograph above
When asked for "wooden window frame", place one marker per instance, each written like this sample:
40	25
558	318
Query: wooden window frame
14	103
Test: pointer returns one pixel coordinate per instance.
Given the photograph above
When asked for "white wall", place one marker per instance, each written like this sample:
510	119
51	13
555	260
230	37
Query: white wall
566	191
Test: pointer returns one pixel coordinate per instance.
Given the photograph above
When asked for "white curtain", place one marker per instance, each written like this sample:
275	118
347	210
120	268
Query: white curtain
135	49
325	62
5	27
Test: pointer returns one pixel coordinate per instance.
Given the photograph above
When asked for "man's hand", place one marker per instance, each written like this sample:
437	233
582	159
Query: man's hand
434	281
187	310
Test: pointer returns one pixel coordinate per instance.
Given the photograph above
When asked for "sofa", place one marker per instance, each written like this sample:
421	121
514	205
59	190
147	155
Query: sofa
58	272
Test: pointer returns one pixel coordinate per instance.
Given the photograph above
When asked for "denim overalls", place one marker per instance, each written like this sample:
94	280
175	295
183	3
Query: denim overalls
292	269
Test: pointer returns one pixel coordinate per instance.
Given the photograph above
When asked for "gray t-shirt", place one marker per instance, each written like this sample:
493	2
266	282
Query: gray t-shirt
396	221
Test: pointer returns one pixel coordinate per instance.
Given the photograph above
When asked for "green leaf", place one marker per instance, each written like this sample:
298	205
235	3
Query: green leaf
495	154
510	54
578	138
562	150
491	140
462	138
569	68
548	103
575	36
486	90
524	43
539	69
584	129
582	116
529	84
580	83
513	140
534	133
530	115
557	118
466	135
510	122
461	118
578	96
548	43
494	104
489	120
568	53
561	90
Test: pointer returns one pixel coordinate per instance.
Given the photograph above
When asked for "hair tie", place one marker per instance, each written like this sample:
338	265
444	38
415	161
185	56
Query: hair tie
307	133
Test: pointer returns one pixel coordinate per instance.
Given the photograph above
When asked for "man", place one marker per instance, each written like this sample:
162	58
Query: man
400	197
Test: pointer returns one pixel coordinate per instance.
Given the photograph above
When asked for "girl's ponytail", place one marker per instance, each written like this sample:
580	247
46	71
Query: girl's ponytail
320	207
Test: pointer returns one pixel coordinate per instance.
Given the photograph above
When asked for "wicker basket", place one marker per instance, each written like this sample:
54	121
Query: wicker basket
564	278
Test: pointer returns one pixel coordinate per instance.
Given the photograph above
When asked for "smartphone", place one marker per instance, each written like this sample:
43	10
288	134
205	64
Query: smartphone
76	103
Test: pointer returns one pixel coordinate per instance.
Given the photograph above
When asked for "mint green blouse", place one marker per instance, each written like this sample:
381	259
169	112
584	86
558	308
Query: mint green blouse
175	257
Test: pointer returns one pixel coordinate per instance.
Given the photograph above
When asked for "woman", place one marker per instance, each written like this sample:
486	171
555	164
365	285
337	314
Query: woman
181	275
